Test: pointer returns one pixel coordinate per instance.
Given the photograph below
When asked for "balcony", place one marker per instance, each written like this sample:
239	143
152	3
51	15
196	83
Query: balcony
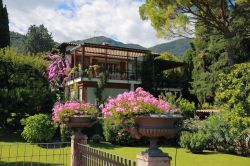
94	72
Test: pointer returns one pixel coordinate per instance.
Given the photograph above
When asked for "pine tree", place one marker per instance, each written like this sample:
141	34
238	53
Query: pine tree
4	26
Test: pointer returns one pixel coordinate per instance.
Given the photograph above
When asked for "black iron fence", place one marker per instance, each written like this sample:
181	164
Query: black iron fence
95	157
23	154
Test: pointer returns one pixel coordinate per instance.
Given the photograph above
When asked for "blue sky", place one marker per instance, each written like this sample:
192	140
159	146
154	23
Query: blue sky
79	19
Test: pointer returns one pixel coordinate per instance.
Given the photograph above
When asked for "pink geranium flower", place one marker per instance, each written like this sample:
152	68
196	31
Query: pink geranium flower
136	102
71	108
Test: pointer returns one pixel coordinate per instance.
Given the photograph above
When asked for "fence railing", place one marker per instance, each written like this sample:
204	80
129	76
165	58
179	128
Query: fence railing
95	157
22	154
129	75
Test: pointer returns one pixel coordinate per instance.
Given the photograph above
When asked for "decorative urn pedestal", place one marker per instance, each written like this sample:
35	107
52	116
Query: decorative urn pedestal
84	121
152	127
77	123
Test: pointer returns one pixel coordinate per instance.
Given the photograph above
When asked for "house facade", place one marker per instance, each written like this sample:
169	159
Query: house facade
118	68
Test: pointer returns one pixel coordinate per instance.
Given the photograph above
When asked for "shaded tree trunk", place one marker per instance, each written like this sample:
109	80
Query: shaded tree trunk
230	49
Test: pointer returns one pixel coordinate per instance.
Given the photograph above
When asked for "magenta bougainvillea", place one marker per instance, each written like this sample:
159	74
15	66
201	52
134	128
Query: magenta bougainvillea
58	70
138	102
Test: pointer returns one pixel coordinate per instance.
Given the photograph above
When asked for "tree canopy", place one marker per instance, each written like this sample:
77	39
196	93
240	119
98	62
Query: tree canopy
24	90
178	17
38	39
4	26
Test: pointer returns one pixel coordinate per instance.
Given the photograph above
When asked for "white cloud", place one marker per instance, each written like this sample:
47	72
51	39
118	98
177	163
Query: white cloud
79	19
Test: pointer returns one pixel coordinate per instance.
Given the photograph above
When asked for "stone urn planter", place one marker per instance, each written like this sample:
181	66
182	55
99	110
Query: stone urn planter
77	123
153	127
81	121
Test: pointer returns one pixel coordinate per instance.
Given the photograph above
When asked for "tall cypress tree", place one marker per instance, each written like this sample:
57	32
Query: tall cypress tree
4	26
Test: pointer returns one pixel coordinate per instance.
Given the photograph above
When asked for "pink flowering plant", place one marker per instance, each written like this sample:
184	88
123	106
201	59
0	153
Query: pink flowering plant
58	70
63	111
138	102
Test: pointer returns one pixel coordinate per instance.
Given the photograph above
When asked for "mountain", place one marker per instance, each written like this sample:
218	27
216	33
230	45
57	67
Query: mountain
16	39
103	39
177	47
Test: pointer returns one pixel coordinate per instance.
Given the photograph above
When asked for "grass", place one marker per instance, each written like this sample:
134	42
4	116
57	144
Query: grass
14	151
182	157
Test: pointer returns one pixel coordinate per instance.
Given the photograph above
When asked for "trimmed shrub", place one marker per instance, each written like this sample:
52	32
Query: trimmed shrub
115	134
195	142
97	138
95	129
38	128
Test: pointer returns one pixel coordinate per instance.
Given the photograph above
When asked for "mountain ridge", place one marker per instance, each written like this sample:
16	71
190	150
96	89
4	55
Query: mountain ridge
177	47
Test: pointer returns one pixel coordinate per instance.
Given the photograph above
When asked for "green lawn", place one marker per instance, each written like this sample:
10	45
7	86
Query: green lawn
14	151
183	158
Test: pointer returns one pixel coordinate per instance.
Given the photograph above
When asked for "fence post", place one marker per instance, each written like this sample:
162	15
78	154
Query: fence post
147	160
76	157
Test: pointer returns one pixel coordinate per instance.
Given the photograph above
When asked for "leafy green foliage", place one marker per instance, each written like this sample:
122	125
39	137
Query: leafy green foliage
233	97
23	88
168	56
16	40
38	128
229	132
97	138
174	17
147	74
4	26
65	133
195	142
209	61
115	134
218	130
186	107
224	132
101	83
233	93
38	39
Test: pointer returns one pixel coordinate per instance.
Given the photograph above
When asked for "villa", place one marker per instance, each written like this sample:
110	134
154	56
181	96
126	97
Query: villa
123	67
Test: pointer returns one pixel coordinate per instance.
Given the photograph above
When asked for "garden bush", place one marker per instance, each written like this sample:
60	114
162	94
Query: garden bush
233	98
115	134
65	133
96	138
195	142
218	130
221	134
38	128
186	107
233	93
95	129
23	88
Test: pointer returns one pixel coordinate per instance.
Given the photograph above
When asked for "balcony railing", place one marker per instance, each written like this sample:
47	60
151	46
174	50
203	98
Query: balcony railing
129	75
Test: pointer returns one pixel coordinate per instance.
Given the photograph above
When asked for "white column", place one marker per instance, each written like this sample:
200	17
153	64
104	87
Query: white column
132	87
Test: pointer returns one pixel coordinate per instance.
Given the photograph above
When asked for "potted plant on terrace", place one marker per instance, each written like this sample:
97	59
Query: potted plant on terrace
144	116
74	114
